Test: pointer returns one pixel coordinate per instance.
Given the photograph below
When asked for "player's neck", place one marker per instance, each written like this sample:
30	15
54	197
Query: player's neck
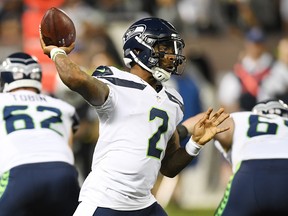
145	75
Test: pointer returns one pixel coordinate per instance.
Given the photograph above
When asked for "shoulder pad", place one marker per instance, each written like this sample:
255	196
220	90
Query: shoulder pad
102	71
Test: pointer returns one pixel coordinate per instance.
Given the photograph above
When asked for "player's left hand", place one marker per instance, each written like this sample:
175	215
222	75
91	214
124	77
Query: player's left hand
207	127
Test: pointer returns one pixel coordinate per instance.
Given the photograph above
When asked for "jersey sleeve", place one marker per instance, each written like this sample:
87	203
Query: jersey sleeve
105	74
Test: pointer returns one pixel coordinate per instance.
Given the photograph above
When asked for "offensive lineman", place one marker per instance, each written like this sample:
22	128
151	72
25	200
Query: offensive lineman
257	148
37	176
138	118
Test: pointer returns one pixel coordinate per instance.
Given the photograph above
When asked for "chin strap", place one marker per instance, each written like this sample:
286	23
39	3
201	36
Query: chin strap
160	74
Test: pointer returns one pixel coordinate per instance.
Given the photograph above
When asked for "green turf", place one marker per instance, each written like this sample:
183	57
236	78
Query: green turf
176	211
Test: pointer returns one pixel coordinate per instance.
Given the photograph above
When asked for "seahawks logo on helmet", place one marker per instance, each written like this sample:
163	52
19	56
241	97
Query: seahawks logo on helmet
133	31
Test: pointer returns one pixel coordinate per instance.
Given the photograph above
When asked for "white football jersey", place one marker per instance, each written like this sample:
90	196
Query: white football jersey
258	137
34	128
136	123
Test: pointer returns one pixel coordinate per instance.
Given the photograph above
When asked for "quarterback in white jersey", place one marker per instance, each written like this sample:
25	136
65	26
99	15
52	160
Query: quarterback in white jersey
35	141
257	147
138	118
142	128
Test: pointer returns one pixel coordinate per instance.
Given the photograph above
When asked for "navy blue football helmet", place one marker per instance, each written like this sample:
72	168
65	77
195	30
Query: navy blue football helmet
20	70
139	43
273	106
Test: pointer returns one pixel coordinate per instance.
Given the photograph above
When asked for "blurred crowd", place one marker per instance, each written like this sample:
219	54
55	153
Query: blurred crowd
237	54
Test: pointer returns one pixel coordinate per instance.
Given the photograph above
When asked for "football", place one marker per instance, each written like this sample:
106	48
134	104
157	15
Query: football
57	28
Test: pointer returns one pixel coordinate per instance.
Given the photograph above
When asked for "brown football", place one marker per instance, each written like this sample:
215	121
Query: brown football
57	28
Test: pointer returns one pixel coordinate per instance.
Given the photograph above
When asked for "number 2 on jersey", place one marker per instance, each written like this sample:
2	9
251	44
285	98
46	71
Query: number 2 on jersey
13	114
152	148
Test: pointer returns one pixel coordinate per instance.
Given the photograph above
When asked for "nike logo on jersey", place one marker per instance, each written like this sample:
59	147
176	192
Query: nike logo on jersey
102	71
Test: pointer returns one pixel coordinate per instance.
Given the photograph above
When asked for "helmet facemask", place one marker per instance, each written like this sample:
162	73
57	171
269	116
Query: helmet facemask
169	55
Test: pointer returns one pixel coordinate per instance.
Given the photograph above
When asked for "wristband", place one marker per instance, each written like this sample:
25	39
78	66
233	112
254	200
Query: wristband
192	148
56	51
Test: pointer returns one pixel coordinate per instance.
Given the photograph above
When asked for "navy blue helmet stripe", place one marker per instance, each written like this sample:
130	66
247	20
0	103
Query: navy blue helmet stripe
124	83
22	58
23	61
175	100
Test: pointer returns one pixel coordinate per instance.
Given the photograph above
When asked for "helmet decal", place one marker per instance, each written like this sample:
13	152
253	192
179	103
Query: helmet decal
133	31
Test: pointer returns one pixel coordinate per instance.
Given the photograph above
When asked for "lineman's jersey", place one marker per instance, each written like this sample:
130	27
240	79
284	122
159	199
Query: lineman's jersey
258	137
136	123
34	128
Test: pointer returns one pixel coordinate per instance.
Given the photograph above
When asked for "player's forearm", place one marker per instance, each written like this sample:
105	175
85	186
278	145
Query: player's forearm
69	72
176	158
93	90
176	163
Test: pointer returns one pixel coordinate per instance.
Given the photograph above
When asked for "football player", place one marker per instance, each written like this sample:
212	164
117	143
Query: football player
256	146
138	118
37	173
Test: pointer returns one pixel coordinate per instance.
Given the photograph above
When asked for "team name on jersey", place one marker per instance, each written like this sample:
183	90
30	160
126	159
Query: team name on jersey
32	98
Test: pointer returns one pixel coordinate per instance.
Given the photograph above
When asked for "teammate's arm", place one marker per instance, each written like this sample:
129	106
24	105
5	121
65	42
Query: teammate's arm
226	138
93	90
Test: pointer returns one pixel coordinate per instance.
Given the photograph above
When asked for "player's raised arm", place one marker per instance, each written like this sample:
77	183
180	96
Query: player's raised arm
93	90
